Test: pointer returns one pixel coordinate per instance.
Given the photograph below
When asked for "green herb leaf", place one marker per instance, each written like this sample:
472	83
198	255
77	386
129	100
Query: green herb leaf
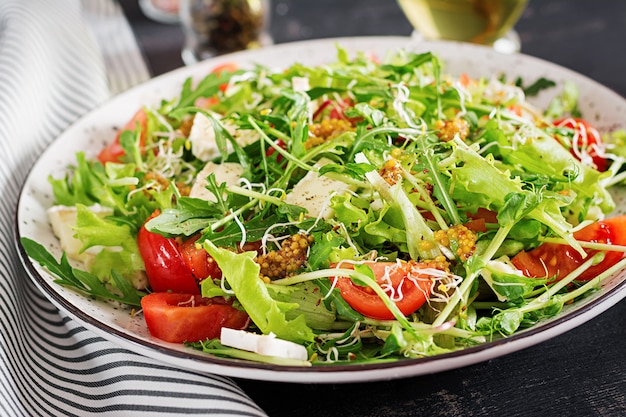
535	88
81	280
242	273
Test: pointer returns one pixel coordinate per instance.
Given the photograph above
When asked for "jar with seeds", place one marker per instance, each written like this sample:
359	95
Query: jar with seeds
215	27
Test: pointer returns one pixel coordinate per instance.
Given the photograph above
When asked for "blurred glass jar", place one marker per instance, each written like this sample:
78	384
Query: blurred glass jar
164	11
215	27
487	22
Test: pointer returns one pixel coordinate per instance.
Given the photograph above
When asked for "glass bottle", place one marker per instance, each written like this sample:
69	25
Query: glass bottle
215	27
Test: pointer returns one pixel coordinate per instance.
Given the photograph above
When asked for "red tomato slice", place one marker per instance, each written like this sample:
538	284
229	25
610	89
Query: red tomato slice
165	266
411	288
207	102
114	151
337	110
198	260
516	109
586	141
321	108
111	153
554	260
477	225
179	318
226	67
339	107
488	216
478	221
271	151
465	80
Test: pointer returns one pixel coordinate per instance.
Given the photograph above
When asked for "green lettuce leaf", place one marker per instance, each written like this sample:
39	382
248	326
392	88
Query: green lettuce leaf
269	315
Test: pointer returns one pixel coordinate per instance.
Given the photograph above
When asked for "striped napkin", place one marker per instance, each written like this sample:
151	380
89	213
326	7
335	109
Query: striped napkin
59	59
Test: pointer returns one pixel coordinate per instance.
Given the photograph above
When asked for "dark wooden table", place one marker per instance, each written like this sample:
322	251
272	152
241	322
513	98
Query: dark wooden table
582	372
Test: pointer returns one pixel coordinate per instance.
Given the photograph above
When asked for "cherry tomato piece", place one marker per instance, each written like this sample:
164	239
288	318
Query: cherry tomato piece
339	107
337	110
179	318
465	80
114	151
321	108
271	151
516	109
554	260
586	142
226	67
478	221
165	266
198	260
207	102
411	288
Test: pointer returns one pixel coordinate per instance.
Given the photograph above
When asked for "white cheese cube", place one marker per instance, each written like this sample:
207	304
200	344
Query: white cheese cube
63	222
300	84
313	192
202	138
243	137
228	172
203	142
266	345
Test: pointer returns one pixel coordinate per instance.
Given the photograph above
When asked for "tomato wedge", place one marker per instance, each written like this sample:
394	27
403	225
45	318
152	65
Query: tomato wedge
271	151
165	266
554	260
114	151
198	260
179	318
226	67
586	142
207	102
478	221
410	288
337	110
339	107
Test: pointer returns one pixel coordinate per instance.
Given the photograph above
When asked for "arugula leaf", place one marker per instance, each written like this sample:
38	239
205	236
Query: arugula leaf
317	92
207	87
334	298
190	216
83	281
323	245
231	234
299	115
508	283
536	87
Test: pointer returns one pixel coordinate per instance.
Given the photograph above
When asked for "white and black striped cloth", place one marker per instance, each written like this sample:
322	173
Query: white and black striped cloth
59	59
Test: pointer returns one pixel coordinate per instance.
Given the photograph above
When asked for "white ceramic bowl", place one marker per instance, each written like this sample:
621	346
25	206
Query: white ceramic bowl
598	104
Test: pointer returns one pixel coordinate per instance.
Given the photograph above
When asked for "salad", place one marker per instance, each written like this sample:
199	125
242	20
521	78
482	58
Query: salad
360	211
